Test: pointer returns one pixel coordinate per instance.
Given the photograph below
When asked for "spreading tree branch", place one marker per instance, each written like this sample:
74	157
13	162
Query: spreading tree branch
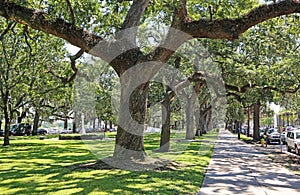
231	28
204	28
175	38
242	89
58	27
135	13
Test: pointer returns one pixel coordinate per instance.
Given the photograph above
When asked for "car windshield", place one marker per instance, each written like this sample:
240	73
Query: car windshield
272	131
297	135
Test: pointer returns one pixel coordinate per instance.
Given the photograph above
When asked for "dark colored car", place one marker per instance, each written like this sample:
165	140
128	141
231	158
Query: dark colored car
21	129
41	131
1	132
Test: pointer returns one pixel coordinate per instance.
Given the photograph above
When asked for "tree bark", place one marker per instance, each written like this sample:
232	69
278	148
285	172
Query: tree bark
198	122
130	133
248	120
21	117
236	124
94	123
6	126
110	124
189	112
208	120
256	121
35	123
74	122
166	120
66	123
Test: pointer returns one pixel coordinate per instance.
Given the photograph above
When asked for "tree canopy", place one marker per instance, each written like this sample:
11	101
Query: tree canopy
109	30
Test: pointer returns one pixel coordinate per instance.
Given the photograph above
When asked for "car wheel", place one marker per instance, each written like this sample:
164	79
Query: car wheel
288	148
297	150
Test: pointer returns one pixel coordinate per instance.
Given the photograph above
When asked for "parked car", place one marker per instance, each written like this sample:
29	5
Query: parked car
90	130
21	129
262	131
293	141
283	137
1	132
66	131
243	131
53	131
112	129
41	131
273	136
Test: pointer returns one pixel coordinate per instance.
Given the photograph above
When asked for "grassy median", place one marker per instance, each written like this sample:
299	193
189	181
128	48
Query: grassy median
33	166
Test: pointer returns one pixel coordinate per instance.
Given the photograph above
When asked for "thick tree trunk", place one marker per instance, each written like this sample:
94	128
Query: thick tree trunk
105	125
66	123
6	128
94	123
248	121
202	123
166	120
74	123
208	120
197	121
176	125
35	123
21	117
189	112
130	133
236	126
256	121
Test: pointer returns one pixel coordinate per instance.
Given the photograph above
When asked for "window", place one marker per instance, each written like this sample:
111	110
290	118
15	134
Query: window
298	135
292	135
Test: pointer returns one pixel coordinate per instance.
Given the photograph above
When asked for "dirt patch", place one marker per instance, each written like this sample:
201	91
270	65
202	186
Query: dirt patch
110	163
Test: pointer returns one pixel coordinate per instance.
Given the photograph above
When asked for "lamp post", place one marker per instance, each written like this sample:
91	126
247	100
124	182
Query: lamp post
98	109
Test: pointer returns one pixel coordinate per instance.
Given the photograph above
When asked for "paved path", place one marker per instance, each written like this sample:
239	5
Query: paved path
237	168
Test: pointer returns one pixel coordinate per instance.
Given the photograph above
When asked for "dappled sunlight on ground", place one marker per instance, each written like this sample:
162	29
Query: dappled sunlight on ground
47	167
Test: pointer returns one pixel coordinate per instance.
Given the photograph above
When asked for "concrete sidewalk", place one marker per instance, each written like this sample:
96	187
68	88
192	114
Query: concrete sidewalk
237	168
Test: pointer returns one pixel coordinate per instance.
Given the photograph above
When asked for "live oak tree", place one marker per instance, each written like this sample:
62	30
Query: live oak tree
104	18
255	67
23	66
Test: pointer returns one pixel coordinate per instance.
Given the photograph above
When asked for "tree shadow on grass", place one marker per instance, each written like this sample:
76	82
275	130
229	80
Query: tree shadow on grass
39	167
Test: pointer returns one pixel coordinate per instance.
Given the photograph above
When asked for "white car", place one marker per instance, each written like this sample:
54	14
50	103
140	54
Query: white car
293	141
53	131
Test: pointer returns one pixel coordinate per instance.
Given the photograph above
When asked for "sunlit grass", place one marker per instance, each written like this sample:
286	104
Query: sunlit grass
34	166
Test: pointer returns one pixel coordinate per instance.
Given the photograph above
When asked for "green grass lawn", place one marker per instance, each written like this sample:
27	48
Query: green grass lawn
33	166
